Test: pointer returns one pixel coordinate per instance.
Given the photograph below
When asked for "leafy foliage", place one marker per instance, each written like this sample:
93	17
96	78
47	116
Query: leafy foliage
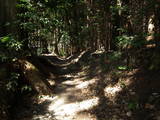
132	105
9	48
13	82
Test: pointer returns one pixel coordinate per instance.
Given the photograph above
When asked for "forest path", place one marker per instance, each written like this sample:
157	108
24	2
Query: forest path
83	91
70	100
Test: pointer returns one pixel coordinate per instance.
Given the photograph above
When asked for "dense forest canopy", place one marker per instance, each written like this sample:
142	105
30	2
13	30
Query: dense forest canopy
66	27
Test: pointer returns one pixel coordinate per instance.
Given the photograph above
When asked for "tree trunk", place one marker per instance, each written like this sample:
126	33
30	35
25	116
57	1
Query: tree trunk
7	16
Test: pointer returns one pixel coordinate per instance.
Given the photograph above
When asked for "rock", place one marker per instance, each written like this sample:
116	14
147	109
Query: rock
132	93
115	117
155	94
129	114
149	106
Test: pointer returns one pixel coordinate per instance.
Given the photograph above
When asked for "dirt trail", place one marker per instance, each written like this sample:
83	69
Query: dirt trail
88	92
69	101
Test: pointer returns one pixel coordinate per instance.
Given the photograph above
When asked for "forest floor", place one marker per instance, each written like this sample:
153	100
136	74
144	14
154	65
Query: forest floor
84	91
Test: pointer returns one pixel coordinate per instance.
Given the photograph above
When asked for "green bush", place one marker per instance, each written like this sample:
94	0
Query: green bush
9	48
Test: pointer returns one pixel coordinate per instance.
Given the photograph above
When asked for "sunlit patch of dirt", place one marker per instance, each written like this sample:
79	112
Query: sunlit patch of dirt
61	109
111	91
86	84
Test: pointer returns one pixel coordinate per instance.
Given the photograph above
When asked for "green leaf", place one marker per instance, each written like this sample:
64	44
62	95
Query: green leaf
5	39
132	105
122	68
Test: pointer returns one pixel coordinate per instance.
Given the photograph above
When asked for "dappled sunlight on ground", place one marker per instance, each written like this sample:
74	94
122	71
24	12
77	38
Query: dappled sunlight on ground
112	91
80	82
71	102
61	105
87	94
86	84
62	110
